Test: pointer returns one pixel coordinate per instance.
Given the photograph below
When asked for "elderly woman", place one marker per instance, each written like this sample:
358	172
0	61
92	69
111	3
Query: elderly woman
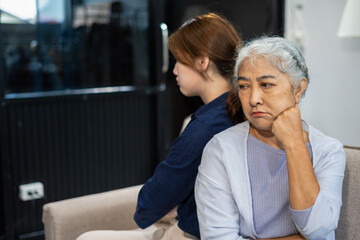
273	176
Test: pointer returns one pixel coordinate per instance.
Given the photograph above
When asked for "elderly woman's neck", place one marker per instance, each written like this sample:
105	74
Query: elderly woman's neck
265	136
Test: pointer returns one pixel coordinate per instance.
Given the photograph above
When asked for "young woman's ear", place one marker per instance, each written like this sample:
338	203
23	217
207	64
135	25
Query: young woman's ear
203	63
300	89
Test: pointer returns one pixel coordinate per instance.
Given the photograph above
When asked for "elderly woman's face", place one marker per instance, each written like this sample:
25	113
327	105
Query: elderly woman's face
264	92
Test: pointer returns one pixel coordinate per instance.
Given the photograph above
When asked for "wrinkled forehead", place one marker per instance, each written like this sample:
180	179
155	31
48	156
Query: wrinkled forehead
257	62
259	67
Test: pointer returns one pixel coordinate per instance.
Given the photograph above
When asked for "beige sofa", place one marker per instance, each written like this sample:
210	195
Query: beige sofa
113	210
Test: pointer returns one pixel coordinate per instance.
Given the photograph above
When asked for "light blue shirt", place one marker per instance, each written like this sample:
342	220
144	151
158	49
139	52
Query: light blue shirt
269	183
223	190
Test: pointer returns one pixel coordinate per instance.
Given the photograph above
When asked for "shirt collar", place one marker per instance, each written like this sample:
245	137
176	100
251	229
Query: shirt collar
217	102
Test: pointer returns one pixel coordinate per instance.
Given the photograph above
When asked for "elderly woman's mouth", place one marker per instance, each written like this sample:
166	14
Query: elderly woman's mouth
257	114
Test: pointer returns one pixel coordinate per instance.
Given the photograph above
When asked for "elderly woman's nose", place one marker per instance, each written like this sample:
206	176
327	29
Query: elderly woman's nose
255	96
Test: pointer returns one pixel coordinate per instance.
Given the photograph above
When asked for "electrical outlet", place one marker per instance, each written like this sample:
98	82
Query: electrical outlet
31	191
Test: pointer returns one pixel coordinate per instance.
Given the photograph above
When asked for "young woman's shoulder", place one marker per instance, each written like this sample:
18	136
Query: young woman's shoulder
216	120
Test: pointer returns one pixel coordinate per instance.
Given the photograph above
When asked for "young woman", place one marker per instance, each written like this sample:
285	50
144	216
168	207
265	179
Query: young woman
273	176
204	48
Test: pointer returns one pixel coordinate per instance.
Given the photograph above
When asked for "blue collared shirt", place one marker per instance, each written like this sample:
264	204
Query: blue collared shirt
173	181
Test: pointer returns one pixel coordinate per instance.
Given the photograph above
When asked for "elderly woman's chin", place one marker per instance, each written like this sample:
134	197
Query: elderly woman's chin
261	124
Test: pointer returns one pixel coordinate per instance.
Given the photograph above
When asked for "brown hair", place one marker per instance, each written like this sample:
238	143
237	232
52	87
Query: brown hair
233	107
206	35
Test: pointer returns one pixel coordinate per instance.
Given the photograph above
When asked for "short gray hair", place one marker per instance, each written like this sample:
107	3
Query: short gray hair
279	52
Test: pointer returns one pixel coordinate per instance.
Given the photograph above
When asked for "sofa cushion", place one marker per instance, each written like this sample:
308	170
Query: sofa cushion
349	223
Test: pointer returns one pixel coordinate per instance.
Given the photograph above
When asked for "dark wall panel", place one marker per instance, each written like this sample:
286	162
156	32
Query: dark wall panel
76	146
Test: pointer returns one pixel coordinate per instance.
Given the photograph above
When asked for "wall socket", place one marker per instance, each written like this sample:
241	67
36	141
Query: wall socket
31	191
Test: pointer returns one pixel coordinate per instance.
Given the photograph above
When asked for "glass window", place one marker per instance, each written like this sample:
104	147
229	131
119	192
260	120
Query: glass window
47	46
12	13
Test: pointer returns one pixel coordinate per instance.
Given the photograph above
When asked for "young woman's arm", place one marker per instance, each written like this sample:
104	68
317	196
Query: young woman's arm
174	179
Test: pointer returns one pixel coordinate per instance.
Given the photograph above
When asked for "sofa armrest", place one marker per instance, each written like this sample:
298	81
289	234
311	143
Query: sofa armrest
349	222
112	210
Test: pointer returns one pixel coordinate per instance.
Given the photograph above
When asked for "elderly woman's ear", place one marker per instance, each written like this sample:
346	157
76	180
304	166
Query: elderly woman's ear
300	89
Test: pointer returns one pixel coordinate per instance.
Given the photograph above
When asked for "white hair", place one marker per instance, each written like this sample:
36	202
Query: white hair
279	52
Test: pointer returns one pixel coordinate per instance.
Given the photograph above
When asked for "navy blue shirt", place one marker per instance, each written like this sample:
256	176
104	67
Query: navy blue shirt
173	181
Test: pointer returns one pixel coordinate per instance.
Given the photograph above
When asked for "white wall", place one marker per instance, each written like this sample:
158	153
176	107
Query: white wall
332	101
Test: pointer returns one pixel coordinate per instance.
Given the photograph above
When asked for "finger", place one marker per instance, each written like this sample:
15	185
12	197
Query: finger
284	111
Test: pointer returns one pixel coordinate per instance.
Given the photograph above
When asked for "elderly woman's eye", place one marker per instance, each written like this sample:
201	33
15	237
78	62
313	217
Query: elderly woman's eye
242	86
267	85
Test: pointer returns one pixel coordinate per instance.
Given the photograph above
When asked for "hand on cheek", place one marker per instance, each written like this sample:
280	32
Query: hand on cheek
287	127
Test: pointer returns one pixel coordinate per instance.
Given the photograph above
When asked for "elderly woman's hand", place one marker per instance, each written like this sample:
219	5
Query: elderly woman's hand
287	128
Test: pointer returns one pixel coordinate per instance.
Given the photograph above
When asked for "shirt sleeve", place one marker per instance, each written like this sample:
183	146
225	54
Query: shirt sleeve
329	171
300	217
174	179
218	215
